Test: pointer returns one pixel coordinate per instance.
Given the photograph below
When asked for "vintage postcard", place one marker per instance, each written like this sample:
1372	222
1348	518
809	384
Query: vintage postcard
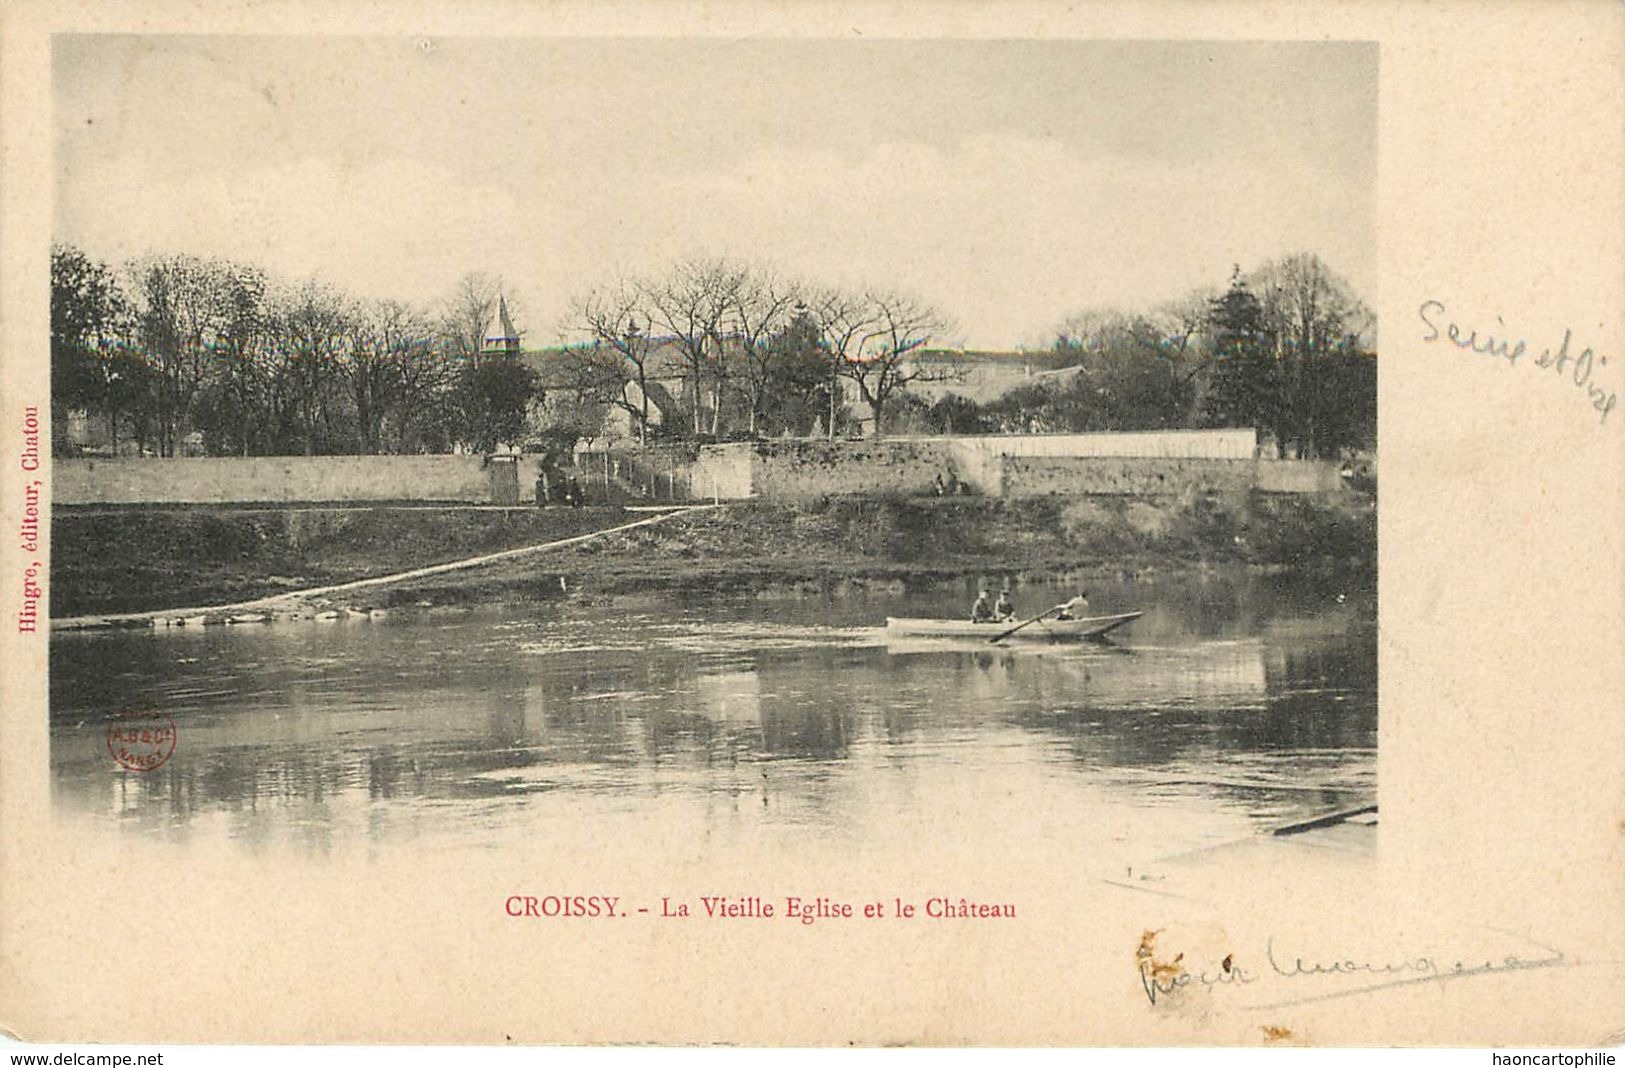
774	524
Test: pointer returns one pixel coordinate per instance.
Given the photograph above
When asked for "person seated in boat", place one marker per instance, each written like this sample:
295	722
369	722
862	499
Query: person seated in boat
1076	608
982	610
1005	610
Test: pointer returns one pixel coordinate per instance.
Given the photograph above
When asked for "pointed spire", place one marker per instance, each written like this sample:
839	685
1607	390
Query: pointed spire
504	338
508	332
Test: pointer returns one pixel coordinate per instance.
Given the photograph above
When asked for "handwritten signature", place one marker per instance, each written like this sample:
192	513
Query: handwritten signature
1161	978
1580	370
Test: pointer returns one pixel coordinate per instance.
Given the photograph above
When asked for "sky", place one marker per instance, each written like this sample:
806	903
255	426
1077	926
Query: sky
1009	184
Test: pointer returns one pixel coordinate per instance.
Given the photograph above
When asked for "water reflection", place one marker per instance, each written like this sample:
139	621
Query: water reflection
1230	704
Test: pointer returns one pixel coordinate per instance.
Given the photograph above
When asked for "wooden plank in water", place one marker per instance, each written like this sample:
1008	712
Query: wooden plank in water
1324	821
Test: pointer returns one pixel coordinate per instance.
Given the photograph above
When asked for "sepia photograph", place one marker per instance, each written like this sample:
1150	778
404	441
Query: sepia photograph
864	535
990	450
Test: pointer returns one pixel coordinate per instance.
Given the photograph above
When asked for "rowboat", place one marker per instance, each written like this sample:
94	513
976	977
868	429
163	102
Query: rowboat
1043	630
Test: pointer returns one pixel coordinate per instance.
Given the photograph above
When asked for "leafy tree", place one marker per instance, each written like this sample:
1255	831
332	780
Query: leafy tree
1345	416
92	366
1289	356
235	395
1129	372
561	422
796	382
494	398
1245	388
1325	384
491	391
953	414
187	310
312	327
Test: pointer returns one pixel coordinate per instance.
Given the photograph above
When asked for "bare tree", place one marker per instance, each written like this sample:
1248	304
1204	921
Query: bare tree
876	347
615	368
1099	329
388	344
426	377
760	307
844	320
1183	323
469	314
690	304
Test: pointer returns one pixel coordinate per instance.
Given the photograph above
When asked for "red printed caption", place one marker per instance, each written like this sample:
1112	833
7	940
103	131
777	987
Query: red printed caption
803	910
28	533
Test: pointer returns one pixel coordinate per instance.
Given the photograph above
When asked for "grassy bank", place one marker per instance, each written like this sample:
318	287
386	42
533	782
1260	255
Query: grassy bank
150	559
757	543
134	560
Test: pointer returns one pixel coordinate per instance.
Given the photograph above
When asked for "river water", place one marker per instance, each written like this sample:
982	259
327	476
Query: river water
1237	703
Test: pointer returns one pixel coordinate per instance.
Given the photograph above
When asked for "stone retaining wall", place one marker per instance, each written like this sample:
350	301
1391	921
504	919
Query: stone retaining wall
1012	466
232	480
1046	476
785	470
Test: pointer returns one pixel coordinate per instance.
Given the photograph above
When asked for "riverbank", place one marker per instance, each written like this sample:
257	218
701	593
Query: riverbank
149	559
855	541
152	559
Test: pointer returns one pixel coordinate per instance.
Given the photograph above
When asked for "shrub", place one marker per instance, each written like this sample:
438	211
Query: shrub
1207	524
1296	530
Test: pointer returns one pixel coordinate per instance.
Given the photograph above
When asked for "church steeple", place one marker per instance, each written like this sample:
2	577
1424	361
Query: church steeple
502	338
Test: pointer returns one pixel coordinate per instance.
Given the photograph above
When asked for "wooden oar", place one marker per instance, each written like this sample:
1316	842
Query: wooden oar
1027	623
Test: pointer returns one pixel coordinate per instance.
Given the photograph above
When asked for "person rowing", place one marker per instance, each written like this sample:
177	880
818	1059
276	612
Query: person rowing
1076	608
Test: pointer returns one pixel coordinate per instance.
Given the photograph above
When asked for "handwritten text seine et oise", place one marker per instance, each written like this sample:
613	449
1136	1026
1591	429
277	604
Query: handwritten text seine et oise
1581	370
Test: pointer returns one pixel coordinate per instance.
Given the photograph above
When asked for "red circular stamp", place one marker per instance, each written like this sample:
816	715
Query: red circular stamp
141	739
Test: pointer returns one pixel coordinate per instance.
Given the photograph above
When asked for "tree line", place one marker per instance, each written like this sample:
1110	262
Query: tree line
1286	348
170	346
167	346
750	352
